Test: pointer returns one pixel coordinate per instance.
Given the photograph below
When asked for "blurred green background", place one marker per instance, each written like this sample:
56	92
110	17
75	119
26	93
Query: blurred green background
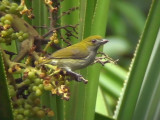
126	21
125	25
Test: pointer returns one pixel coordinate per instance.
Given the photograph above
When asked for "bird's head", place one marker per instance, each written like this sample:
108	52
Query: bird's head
94	42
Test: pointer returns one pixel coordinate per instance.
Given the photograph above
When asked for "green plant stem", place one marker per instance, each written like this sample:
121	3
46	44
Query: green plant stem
67	109
98	27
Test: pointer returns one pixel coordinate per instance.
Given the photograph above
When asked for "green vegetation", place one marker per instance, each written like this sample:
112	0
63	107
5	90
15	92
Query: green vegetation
119	90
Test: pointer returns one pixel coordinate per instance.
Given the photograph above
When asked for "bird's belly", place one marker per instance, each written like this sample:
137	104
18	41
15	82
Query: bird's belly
74	64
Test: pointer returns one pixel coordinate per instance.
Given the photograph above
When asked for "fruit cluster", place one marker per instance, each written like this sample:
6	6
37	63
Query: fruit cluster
12	8
54	38
7	33
24	109
47	78
26	93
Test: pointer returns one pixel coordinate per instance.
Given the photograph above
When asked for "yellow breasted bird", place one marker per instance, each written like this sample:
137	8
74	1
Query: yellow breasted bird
76	56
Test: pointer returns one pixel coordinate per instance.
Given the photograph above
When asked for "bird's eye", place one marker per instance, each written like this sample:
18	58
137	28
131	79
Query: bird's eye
93	41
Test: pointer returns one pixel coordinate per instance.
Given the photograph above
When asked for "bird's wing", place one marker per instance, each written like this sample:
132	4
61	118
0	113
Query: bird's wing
72	52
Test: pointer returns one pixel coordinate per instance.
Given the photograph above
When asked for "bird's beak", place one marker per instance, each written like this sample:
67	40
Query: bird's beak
103	41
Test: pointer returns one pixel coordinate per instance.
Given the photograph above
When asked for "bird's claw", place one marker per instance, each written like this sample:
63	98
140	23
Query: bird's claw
80	78
77	77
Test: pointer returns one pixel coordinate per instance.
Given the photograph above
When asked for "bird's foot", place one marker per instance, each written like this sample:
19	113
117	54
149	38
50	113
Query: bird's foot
77	77
80	78
104	59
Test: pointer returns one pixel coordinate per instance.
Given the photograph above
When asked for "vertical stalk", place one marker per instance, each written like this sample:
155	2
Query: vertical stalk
66	109
98	27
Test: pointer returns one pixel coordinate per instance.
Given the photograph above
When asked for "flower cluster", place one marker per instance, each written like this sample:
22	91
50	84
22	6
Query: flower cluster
54	38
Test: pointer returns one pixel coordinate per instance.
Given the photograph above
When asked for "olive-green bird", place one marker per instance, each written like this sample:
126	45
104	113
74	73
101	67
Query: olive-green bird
76	56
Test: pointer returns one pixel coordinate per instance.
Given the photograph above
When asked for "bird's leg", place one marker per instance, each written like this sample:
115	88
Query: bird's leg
77	76
104	59
98	60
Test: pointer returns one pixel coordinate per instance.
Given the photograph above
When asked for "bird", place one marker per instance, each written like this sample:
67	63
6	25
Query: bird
76	56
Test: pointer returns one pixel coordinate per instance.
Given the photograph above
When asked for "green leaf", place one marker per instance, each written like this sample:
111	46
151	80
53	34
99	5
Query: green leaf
100	103
111	82
101	117
111	79
5	102
70	109
140	63
147	107
81	105
99	23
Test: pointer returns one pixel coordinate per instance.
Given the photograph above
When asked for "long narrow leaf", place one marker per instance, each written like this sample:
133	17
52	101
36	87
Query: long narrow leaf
147	107
140	63
5	102
67	109
99	23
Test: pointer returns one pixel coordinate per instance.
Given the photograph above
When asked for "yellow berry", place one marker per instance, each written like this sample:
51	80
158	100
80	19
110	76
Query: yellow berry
38	92
10	70
40	113
19	117
4	33
35	109
20	8
48	87
26	112
9	17
40	86
50	113
51	38
56	41
31	75
6	26
7	22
